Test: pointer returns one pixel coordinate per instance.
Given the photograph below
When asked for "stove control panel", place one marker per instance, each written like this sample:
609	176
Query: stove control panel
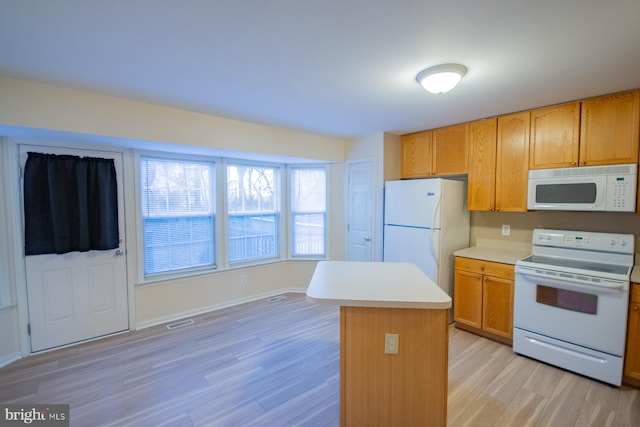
605	242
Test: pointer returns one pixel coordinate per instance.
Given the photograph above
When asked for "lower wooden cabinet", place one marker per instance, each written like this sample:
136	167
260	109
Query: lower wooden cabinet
632	355
483	298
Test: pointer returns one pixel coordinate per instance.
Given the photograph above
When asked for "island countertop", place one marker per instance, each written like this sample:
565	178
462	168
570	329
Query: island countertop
375	284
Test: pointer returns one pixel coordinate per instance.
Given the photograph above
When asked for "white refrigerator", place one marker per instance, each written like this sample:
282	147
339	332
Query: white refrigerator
425	221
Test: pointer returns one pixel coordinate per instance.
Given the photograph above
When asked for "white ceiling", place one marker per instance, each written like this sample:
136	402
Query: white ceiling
335	67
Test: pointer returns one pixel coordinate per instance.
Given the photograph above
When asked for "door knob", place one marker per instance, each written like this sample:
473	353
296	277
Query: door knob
119	252
367	239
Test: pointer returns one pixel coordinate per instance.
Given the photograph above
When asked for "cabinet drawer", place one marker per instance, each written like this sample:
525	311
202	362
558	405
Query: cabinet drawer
485	267
635	292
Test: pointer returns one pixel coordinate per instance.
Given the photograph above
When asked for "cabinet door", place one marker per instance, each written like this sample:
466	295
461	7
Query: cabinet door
555	137
416	155
497	301
512	162
609	131
481	194
467	298
632	355
450	148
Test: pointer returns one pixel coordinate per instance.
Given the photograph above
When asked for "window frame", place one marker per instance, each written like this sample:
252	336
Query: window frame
220	213
291	213
280	207
143	277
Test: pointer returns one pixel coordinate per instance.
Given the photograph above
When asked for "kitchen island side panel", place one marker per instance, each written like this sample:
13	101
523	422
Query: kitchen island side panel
408	388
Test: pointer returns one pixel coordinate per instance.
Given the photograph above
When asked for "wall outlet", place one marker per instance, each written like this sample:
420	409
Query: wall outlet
506	229
391	343
243	279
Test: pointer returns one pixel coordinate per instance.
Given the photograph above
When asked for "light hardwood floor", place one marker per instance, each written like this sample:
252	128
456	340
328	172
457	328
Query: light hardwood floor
276	363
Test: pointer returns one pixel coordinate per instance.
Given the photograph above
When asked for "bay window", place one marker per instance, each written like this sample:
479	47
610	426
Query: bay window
180	227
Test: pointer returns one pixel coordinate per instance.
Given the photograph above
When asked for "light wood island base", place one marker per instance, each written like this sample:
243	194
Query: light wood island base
378	387
404	389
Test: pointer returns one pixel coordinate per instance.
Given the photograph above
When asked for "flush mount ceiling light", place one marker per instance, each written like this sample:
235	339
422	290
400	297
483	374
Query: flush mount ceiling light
441	78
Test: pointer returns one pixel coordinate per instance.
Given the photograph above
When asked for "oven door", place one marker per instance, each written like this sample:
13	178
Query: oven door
585	315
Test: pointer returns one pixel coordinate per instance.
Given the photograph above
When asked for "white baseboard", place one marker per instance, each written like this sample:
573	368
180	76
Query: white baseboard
9	358
203	310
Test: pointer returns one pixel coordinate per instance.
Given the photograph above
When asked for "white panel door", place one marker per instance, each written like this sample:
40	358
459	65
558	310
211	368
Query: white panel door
79	295
360	211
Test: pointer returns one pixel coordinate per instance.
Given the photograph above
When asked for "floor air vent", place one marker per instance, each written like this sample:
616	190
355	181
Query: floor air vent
180	324
276	298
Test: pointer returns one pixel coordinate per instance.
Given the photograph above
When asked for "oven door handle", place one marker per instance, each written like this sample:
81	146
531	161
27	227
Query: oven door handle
527	272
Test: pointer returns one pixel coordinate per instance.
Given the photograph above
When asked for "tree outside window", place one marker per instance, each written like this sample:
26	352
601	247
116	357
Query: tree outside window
177	215
253	212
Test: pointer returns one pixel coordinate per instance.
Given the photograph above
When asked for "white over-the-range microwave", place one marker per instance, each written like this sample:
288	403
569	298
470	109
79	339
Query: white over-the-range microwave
588	188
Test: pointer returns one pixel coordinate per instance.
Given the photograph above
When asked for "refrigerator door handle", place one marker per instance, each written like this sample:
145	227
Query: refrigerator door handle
435	221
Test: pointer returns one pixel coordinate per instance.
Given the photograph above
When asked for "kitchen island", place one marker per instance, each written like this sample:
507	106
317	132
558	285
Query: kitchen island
393	341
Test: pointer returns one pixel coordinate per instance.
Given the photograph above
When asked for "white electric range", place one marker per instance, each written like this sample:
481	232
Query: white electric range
570	301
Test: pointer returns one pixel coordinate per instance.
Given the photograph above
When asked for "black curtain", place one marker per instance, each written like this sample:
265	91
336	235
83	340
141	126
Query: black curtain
70	204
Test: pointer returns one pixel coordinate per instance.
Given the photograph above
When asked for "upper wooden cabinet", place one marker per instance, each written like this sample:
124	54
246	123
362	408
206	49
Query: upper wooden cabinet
481	194
555	136
498	153
438	152
597	131
498	163
416	155
512	161
609	132
450	145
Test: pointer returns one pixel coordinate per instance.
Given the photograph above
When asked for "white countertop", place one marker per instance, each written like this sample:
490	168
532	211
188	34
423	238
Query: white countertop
487	253
375	284
491	254
511	255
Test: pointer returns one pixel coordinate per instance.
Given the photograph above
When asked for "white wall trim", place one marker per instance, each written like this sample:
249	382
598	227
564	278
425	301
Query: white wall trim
16	237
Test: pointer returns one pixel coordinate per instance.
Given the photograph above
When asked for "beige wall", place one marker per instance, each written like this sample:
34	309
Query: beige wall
41	106
391	155
488	225
176	299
